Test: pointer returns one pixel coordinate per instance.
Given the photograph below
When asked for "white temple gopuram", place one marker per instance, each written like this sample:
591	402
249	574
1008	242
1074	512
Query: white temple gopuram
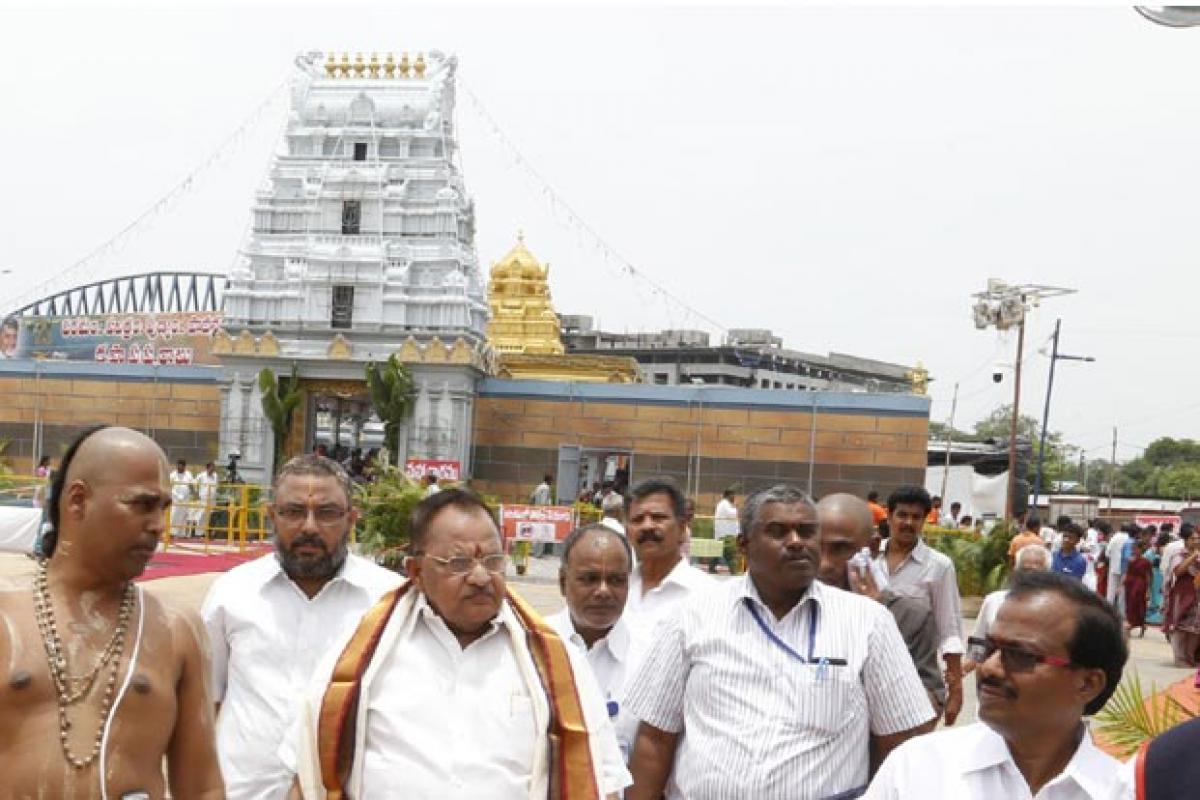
361	245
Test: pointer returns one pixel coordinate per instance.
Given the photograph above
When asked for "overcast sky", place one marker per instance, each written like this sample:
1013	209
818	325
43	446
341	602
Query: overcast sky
846	177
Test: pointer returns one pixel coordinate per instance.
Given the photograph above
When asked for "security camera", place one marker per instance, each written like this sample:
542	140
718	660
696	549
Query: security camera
997	376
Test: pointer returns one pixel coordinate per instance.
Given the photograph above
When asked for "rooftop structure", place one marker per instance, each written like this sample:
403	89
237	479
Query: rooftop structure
748	358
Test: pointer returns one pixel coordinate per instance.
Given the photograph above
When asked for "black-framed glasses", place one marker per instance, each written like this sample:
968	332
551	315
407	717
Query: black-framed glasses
324	515
461	565
1014	657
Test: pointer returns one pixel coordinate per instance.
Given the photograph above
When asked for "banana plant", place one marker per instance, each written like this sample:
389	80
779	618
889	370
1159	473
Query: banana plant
279	401
393	395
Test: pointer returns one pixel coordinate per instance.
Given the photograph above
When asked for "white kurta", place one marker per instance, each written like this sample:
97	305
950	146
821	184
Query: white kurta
453	723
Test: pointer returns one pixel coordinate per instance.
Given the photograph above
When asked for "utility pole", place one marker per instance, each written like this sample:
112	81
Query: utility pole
1112	469
949	442
1055	356
1012	430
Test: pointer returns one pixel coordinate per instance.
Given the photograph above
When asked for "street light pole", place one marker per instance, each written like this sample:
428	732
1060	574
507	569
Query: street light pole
1003	305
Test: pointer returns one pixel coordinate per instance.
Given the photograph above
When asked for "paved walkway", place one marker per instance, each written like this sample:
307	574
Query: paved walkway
1150	657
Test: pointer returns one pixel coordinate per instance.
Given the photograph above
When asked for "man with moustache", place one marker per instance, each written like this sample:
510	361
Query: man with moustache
102	682
663	578
846	528
914	569
1054	655
271	619
594	580
452	687
772	685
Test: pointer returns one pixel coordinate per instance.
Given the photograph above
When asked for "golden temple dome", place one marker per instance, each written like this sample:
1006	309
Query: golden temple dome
523	319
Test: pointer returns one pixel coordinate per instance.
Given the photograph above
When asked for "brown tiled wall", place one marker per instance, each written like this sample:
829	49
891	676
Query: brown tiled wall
184	418
516	441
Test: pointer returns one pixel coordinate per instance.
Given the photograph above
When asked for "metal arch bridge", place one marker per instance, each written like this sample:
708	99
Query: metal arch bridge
148	293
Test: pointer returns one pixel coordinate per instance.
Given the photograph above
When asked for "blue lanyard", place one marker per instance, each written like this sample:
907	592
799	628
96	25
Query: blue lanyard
787	648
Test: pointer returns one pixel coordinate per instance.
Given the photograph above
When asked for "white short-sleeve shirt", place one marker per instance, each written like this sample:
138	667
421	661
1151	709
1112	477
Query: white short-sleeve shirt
266	637
756	720
973	762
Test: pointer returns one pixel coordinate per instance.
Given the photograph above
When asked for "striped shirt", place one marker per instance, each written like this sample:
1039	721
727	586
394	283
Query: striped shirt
757	721
929	575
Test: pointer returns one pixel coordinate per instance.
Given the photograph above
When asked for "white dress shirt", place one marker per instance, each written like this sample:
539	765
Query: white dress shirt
612	523
725	520
611	660
973	763
758	722
206	487
266	637
929	575
643	611
987	613
458	724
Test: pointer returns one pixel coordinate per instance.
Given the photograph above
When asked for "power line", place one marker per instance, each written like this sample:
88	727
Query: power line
155	208
573	216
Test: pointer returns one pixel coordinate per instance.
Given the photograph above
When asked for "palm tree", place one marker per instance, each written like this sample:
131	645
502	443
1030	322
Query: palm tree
279	401
393	394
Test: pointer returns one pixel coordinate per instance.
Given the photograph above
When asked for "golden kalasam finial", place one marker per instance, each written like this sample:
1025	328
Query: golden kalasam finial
359	66
404	66
373	67
389	66
344	66
419	65
520	236
331	66
918	378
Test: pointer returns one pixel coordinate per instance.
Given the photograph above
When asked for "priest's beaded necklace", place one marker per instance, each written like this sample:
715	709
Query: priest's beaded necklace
71	689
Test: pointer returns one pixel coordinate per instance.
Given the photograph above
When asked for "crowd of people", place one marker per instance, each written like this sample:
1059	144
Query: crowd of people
821	672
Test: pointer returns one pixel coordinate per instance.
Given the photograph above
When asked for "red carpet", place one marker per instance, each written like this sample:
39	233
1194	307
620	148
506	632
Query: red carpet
189	559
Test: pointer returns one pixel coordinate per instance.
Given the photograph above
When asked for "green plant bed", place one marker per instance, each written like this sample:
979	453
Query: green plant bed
980	561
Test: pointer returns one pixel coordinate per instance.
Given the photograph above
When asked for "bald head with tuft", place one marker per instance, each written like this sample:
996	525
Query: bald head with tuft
109	509
107	454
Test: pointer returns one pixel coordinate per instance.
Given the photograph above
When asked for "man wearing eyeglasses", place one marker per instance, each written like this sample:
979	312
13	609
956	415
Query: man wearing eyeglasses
772	685
1054	655
270	620
452	687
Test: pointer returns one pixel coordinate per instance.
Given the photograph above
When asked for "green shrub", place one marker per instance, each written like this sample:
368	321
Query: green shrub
980	561
387	507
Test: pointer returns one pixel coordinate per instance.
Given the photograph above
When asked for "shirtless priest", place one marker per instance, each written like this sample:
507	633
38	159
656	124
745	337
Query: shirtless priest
99	682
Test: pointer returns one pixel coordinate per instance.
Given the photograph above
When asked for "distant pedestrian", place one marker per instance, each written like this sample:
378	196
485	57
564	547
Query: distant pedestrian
725	518
1137	588
541	495
431	485
182	484
1182	620
1068	560
878	512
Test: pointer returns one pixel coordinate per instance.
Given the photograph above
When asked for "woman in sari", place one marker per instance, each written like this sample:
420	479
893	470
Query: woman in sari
1138	574
1182	622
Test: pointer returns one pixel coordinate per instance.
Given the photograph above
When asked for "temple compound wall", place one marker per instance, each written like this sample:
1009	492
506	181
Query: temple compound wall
46	403
707	439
